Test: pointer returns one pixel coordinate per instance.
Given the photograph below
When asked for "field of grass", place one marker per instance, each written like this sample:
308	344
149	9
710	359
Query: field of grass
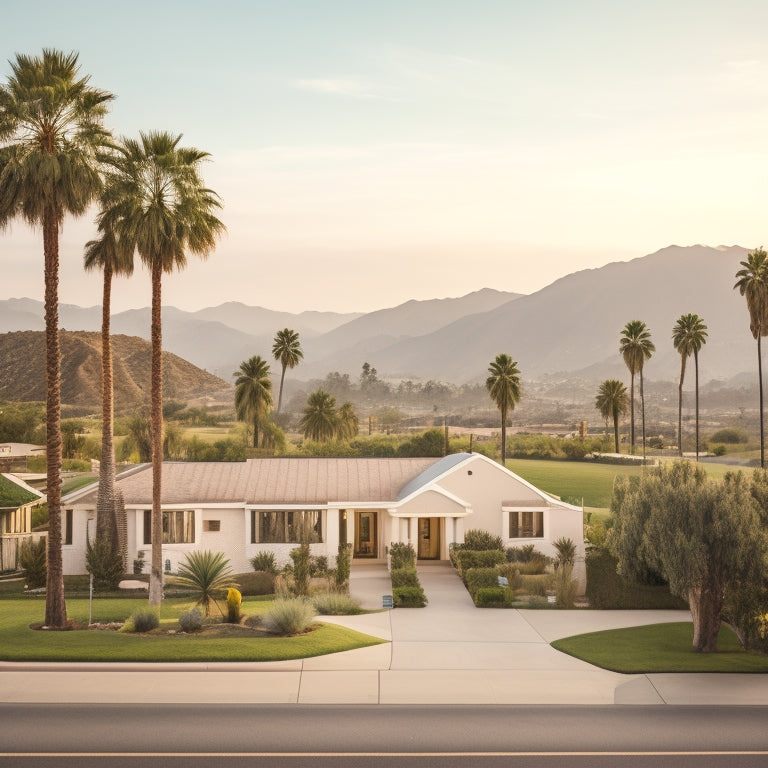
660	648
573	481
20	643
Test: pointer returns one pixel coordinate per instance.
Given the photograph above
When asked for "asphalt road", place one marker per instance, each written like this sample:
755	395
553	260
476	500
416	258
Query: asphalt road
246	735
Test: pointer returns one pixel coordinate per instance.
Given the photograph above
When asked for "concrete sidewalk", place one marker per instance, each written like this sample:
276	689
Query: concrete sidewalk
447	653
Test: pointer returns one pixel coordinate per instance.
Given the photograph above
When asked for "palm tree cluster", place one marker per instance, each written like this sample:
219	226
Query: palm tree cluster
56	158
322	421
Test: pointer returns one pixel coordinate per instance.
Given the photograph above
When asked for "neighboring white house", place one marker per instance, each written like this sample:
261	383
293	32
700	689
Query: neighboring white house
16	502
261	505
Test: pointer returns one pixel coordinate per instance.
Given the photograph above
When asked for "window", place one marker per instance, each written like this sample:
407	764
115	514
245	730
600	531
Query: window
526	525
68	526
211	526
178	526
284	526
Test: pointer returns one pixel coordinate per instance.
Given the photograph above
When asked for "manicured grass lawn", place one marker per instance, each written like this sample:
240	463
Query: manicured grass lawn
573	481
660	648
20	643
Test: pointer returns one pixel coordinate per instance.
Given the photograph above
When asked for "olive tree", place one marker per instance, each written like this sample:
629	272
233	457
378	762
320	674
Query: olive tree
703	536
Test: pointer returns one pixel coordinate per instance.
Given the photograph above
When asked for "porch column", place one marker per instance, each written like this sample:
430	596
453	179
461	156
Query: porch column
413	531
459	530
331	533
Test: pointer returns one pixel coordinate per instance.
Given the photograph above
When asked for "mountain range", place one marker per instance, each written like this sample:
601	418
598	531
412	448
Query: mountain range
568	329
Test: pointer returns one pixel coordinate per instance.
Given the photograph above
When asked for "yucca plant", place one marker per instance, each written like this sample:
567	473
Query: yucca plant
566	551
208	574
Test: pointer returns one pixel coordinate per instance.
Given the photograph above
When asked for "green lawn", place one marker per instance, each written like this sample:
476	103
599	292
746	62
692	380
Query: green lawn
660	648
573	481
20	643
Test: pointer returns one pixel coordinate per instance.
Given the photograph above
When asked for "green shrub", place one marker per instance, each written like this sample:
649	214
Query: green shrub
300	556
234	601
477	578
607	589
731	435
336	604
405	577
106	565
291	616
144	620
493	597
408	597
521	554
536	565
191	621
33	562
255	583
264	561
488	558
343	565
402	555
479	540
318	566
719	450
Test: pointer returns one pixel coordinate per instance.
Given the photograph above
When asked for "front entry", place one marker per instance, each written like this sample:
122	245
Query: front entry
365	534
429	538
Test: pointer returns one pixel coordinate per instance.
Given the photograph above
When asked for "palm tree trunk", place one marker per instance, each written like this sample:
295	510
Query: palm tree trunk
696	365
616	430
156	429
760	375
55	605
632	413
642	411
106	528
503	439
256	431
680	410
280	396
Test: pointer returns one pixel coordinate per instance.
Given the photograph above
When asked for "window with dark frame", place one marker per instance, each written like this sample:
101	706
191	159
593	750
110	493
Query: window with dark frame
526	525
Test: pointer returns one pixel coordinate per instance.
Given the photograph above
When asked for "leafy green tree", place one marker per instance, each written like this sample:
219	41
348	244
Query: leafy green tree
320	420
106	255
286	349
349	422
156	203
503	386
612	402
636	347
704	537
138	436
752	282
688	336
208	574
51	136
253	393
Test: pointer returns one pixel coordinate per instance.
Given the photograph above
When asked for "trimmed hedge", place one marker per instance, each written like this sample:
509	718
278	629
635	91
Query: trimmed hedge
409	597
478	578
402	555
489	597
607	589
470	558
405	577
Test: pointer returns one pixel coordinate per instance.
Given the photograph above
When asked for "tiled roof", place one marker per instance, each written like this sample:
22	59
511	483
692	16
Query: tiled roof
274	481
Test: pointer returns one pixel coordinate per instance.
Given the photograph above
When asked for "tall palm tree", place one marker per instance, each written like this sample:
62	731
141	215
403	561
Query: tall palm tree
253	393
156	203
503	386
104	254
753	285
688	336
320	420
51	134
349	422
286	349
613	402
636	347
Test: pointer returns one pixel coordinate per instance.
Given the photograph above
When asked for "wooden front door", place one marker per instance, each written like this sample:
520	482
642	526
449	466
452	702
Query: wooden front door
366	544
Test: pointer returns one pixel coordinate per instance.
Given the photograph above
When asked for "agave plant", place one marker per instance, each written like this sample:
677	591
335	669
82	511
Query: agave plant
208	574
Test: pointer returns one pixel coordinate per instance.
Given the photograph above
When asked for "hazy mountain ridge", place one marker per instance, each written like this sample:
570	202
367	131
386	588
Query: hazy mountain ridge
22	363
570	328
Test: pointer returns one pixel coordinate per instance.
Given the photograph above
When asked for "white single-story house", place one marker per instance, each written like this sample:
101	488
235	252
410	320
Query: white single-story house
242	508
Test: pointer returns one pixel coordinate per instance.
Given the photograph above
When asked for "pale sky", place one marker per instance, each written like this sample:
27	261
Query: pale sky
371	152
